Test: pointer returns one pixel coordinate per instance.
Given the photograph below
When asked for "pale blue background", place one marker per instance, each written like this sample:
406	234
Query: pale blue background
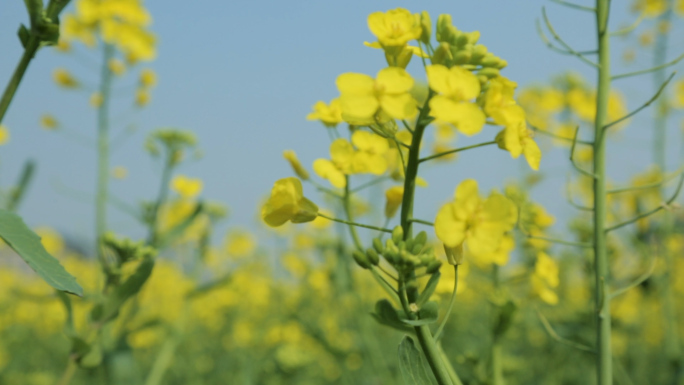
244	74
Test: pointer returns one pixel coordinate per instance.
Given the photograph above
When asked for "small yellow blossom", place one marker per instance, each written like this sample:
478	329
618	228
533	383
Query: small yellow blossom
64	79
148	78
329	115
96	100
291	157
119	172
499	102
287	203
362	98
186	187
479	222
63	46
518	139
116	66
394	196
48	122
142	97
52	241
679	94
650	8
456	87
545	278
240	243
4	134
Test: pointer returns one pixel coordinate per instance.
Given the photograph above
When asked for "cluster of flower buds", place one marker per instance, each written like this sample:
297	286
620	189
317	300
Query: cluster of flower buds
403	254
461	48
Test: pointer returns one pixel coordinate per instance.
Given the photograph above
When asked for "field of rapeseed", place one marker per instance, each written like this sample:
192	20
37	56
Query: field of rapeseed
346	280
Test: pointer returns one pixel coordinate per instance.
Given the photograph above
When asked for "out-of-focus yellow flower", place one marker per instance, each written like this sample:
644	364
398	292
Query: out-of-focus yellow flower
362	97
142	97
148	78
119	172
48	122
456	87
479	222
545	278
240	243
518	139
117	67
186	187
291	157
294	264
96	100
646	38
330	115
394	196
650	8
500	256
4	134
679	7
51	240
63	46
396	27
63	78
499	103
287	203
679	94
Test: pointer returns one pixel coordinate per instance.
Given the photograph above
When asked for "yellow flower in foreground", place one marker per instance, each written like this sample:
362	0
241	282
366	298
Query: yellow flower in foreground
186	187
362	97
499	102
64	79
4	134
479	222
395	27
287	203
456	87
329	115
517	139
291	157
500	256
394	196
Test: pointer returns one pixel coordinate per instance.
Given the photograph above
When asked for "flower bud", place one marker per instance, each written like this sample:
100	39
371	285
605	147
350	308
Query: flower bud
373	256
489	60
454	254
420	239
462	56
433	266
426	25
377	245
489	72
442	54
361	259
445	29
398	234
479	51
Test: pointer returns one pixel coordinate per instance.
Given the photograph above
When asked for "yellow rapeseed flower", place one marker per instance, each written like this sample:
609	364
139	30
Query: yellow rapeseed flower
679	94
650	8
517	139
363	98
394	196
116	66
4	134
64	79
186	187
148	78
470	218
456	88
142	97
52	241
291	157
287	203
240	243
96	100
48	122
330	115
545	278
396	27
499	103
119	172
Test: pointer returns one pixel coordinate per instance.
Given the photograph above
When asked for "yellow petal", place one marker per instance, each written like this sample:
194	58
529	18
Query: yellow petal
532	154
393	80
401	106
355	84
327	170
447	228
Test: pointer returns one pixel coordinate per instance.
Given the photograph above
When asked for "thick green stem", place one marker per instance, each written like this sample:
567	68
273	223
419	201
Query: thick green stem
29	52
603	319
103	152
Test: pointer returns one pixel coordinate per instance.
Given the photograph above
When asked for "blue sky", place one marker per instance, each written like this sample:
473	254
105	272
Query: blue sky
243	76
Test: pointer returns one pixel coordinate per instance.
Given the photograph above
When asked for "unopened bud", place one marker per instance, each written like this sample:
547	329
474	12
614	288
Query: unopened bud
398	234
361	259
377	245
373	256
433	266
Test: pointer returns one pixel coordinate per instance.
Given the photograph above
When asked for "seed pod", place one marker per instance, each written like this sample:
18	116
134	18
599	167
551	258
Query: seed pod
361	259
398	234
373	256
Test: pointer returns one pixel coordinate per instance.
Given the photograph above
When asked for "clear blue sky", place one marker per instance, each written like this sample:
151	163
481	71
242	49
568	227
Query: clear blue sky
243	75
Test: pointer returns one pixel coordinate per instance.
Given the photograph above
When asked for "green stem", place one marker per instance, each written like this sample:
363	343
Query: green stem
162	362
103	152
445	153
603	318
355	224
29	52
438	333
69	373
161	199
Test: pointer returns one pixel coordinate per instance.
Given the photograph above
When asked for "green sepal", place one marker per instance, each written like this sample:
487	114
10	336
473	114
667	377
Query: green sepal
24	35
387	315
411	363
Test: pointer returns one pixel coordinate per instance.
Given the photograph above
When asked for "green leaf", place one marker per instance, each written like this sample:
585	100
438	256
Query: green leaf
411	364
107	309
27	244
24	35
387	315
426	315
430	287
